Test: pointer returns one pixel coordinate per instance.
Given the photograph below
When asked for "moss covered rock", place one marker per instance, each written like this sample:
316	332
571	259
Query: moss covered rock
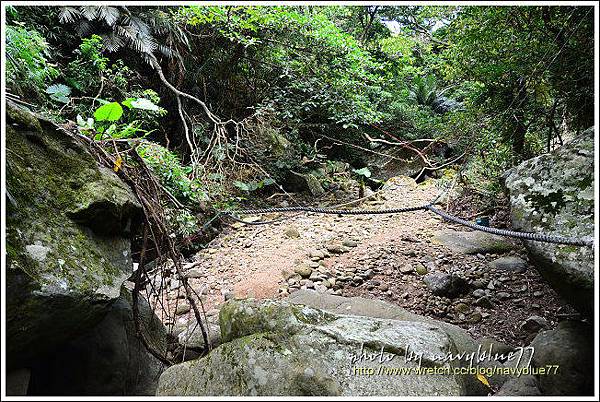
67	244
279	348
554	194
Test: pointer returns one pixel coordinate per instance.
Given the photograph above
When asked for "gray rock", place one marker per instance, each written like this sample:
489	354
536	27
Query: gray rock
303	270
533	324
194	273
509	264
443	284
406	268
67	242
107	360
495	346
335	248
182	308
306	182
525	385
484	302
503	295
349	243
571	347
472	242
554	194
479	293
278	348
192	337
379	309
292	232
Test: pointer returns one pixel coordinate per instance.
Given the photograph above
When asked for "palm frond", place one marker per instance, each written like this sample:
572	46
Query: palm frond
68	15
90	13
109	14
112	42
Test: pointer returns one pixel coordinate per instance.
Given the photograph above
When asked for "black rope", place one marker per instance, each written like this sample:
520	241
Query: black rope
511	233
427	207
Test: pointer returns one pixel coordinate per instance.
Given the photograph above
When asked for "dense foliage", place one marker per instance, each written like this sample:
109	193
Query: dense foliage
224	101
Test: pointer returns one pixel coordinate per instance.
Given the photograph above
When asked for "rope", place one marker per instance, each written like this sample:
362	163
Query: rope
511	233
427	207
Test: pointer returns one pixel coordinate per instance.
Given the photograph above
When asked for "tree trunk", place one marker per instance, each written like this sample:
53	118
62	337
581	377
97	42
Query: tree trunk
518	140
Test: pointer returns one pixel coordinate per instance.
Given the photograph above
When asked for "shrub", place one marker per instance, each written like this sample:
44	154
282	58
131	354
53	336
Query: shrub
27	66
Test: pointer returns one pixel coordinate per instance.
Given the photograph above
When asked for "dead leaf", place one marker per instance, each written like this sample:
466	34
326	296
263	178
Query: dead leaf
483	380
118	163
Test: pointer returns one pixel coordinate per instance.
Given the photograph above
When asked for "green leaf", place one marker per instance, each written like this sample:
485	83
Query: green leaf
144	104
363	172
127	102
109	112
59	92
241	185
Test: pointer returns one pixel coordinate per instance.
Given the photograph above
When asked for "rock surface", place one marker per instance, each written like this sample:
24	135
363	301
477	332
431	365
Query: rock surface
525	385
471	242
570	346
66	241
509	264
107	360
554	194
279	348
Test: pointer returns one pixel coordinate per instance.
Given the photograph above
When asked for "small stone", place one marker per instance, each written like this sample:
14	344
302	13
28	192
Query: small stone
534	323
349	243
503	295
462	308
384	287
421	269
443	284
478	293
182	309
538	293
319	254
303	270
292	232
475	318
194	273
406	268
509	264
484	302
335	248
212	312
227	294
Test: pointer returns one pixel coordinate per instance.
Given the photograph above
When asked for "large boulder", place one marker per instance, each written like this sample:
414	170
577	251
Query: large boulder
108	359
554	194
67	237
568	353
280	348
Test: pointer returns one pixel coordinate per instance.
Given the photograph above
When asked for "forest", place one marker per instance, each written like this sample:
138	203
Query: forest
208	114
223	102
